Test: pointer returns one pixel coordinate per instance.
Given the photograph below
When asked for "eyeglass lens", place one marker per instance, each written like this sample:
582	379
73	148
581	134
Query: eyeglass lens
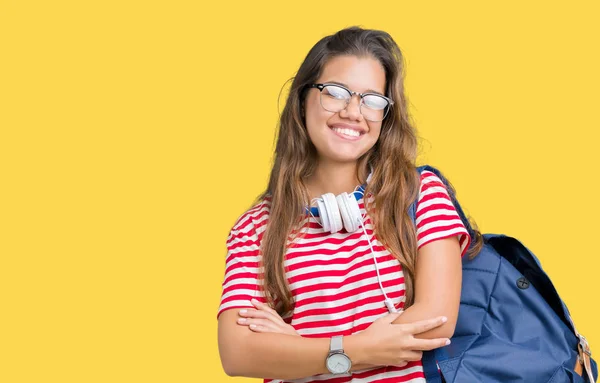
335	98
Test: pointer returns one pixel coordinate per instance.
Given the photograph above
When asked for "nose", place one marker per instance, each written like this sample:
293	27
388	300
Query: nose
352	110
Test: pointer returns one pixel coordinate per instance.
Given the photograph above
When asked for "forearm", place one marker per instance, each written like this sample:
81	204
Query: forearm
418	312
275	356
281	356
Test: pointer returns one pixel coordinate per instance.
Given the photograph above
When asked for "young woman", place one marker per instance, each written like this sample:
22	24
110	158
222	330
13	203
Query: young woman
306	301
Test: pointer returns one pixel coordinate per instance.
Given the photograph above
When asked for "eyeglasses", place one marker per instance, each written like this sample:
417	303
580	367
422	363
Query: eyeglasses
335	98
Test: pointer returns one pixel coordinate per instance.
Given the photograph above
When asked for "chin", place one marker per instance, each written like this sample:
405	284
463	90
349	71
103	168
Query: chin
345	152
343	157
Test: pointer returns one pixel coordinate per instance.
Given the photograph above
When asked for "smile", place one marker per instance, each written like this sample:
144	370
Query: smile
348	134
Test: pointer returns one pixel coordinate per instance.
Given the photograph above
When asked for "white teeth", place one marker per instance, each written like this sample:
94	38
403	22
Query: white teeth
347	132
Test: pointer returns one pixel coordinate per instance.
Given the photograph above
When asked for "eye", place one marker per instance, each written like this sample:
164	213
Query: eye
375	102
336	92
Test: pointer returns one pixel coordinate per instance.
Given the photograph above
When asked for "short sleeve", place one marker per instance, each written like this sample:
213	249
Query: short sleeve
436	216
240	283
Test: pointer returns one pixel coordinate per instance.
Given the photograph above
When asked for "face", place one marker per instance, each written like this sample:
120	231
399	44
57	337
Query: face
326	128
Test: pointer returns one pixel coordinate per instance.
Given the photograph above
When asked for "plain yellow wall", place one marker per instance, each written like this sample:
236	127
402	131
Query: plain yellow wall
134	133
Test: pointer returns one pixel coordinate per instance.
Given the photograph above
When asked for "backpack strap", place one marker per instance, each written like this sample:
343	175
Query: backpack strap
430	366
585	353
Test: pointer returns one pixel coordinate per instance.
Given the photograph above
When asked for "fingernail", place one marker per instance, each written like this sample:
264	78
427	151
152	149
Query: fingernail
444	319
243	311
254	301
242	320
448	342
253	326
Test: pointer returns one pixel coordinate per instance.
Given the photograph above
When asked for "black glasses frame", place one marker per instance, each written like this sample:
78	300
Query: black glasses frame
322	86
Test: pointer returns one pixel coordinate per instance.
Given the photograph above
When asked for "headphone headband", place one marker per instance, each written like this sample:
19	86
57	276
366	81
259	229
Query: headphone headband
358	194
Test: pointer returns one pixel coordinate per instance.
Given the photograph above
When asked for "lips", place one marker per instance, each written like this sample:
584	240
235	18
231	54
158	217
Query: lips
347	132
348	126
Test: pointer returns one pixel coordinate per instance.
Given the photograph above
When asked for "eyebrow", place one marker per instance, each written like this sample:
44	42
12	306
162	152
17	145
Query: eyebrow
342	84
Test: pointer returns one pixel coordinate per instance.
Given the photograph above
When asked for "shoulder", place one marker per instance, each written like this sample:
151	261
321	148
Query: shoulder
252	222
436	216
431	186
429	178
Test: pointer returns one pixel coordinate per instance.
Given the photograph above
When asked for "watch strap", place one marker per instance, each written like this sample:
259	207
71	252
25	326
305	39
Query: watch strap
336	343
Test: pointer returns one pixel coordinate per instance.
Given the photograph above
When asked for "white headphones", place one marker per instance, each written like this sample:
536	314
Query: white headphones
337	210
343	209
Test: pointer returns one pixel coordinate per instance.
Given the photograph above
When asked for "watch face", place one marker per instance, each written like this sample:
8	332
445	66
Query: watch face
338	363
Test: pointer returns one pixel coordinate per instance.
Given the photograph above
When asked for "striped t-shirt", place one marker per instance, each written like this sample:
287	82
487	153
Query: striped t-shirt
332	277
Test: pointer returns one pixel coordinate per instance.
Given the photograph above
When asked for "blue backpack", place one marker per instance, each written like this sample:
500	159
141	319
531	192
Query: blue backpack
512	325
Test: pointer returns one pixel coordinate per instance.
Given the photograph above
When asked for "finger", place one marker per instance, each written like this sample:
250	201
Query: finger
258	328
266	308
244	312
427	344
262	314
263	306
259	322
412	356
424	325
248	313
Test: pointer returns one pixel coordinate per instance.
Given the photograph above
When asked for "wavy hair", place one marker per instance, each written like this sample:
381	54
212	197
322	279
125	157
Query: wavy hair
394	183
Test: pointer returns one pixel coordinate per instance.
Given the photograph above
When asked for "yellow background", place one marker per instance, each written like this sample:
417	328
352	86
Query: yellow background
133	134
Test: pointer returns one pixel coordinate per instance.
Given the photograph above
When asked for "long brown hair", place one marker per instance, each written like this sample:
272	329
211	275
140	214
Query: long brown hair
394	183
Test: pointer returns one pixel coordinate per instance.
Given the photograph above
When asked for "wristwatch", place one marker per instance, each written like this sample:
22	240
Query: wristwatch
337	361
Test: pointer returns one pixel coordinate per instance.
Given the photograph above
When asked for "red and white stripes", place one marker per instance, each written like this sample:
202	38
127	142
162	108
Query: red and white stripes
332	276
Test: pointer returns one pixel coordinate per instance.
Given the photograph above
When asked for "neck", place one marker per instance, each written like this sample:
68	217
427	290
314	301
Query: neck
333	178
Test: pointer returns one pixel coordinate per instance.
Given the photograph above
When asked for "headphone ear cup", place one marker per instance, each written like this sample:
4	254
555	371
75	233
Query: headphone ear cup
355	210
349	211
323	214
342	201
332	212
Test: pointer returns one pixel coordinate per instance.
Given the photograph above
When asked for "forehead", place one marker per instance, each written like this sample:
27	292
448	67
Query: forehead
360	74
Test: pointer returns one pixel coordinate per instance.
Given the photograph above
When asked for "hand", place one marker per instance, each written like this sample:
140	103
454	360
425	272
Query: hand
264	319
386	344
